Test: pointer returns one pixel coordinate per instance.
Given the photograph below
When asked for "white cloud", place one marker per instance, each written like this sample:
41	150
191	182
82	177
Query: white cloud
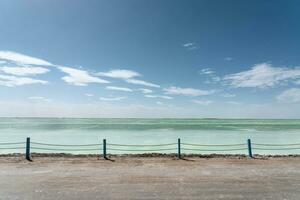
12	81
128	76
120	73
159	103
234	103
228	95
188	44
111	98
145	91
24	71
211	75
202	102
141	82
36	97
228	59
39	98
79	77
124	89
262	76
158	96
89	94
206	71
23	59
291	95
187	91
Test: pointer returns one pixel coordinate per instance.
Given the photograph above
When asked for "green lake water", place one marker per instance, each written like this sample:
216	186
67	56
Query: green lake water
152	131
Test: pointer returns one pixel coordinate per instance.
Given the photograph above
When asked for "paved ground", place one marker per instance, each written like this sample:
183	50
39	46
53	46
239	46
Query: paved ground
149	178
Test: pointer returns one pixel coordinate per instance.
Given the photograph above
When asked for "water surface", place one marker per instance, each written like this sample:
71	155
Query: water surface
152	131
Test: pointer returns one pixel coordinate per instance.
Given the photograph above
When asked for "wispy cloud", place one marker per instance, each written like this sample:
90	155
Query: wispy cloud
12	81
119	73
159	103
228	58
190	46
24	71
263	75
89	95
211	75
158	96
39	98
202	102
128	76
123	89
291	95
206	71
187	91
234	103
145	90
111	98
79	77
228	95
141	82
23	59
14	65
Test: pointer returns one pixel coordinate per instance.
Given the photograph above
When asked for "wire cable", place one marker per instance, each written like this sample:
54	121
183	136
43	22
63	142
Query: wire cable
260	144
141	150
66	145
213	145
8	148
12	143
141	145
51	149
189	149
279	149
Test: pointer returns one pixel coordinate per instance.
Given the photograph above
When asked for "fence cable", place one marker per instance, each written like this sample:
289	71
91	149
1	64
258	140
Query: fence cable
190	149
213	145
116	149
257	148
260	144
141	145
122	147
66	145
12	143
51	149
9	148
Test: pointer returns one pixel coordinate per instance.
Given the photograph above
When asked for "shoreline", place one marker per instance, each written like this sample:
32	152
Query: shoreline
147	155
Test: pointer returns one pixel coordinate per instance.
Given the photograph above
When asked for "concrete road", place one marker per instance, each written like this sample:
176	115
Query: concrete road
149	178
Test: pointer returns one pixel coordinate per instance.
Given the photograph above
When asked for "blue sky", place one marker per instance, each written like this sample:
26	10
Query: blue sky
138	58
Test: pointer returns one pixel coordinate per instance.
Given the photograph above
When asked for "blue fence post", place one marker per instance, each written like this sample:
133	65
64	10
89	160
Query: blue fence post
249	148
27	156
179	148
104	149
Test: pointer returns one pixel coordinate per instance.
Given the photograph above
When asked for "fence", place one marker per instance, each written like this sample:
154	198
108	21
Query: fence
178	147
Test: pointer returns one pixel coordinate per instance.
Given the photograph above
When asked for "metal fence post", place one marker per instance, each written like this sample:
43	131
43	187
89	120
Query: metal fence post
179	148
104	149
27	156
249	148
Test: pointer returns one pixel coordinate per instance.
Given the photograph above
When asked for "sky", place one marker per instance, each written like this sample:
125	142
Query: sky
141	58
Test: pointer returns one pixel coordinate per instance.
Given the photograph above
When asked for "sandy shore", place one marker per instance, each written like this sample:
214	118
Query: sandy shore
152	177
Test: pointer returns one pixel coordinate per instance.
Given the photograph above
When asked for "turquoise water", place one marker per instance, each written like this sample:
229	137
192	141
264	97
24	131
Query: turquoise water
152	131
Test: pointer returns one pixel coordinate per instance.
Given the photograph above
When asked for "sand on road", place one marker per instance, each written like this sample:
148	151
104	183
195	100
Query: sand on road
149	178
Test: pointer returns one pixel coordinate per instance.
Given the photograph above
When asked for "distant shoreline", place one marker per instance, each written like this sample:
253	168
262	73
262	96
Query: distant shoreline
165	118
147	155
